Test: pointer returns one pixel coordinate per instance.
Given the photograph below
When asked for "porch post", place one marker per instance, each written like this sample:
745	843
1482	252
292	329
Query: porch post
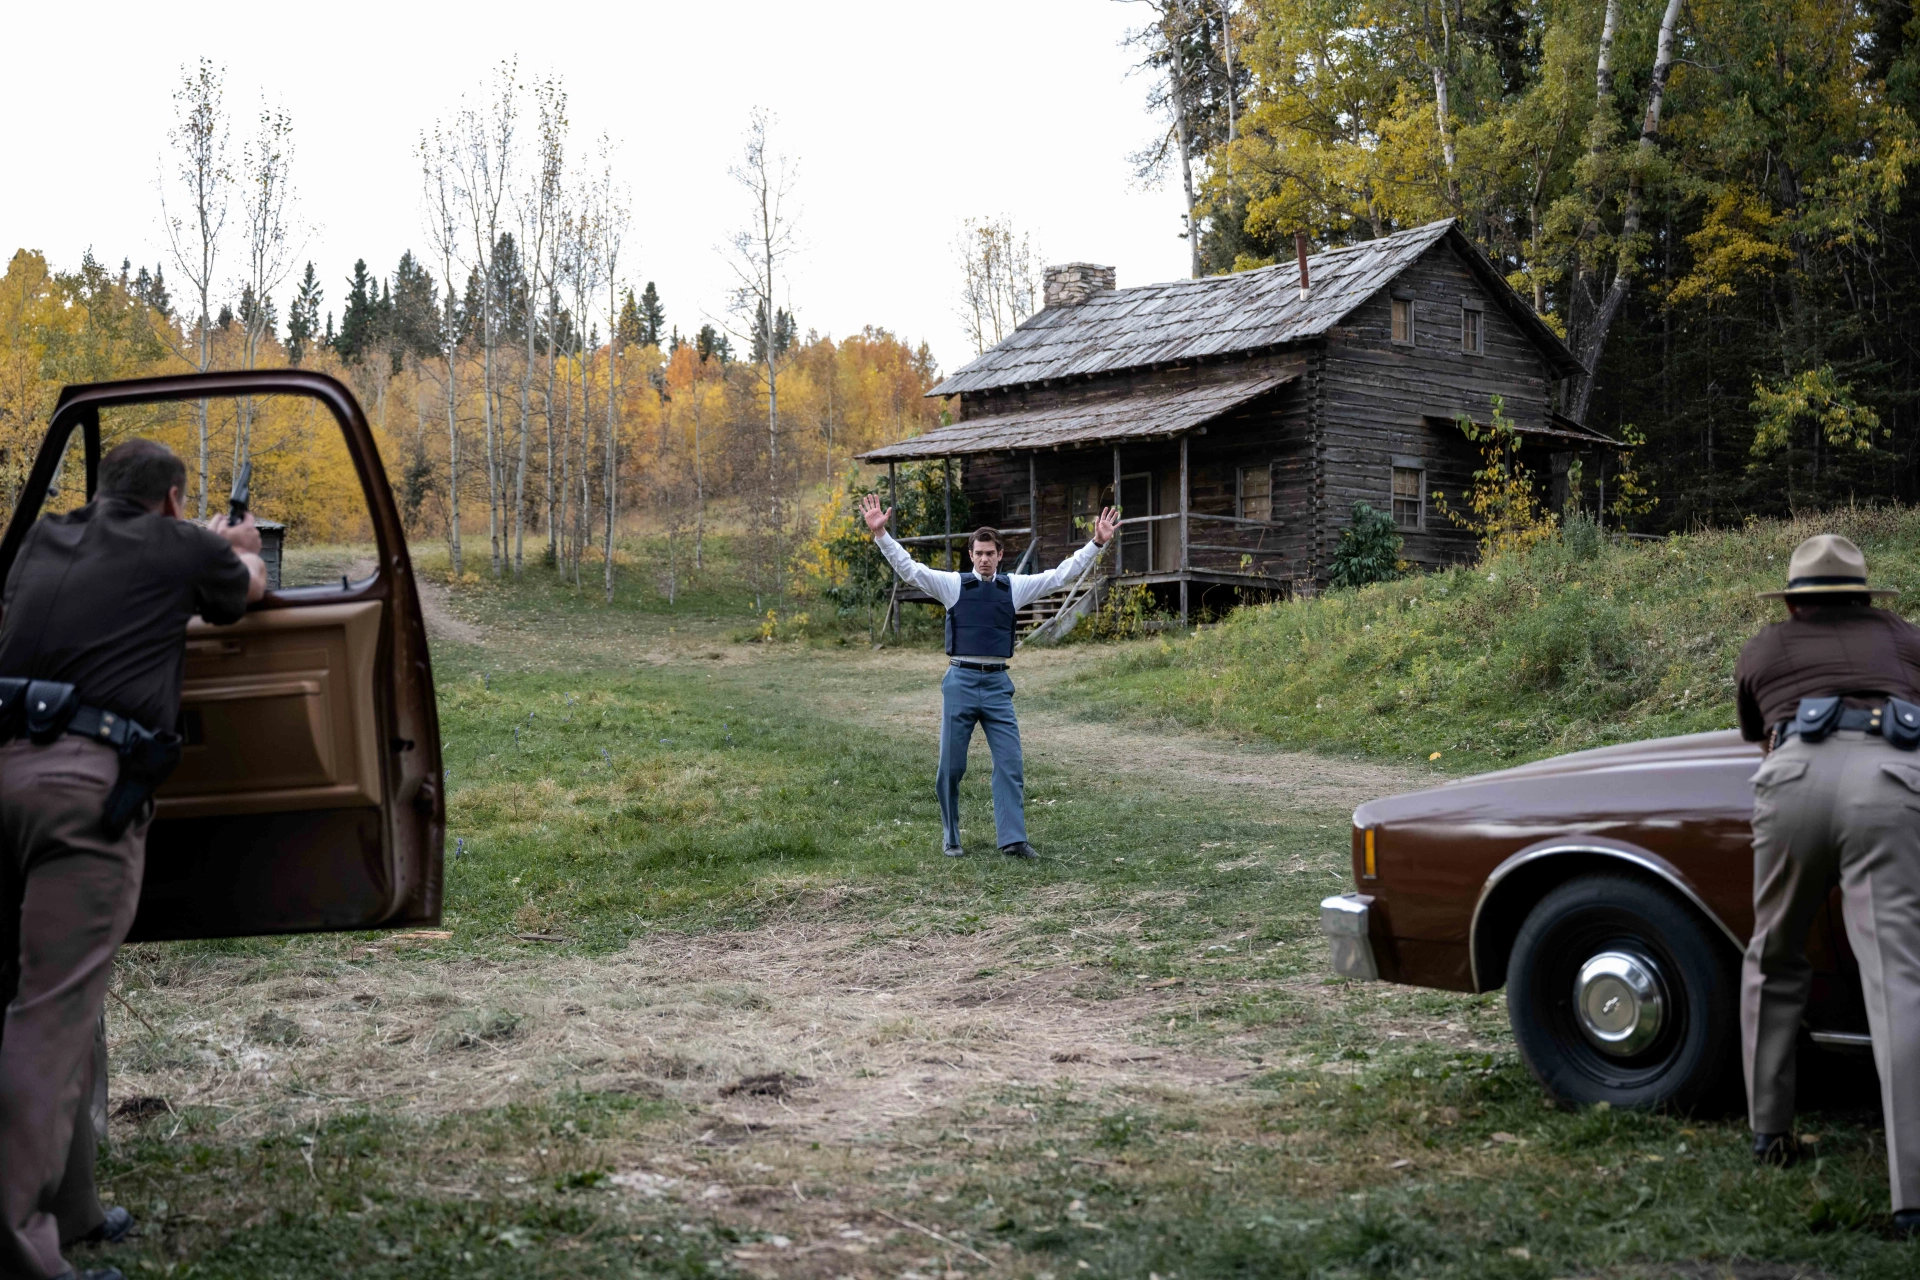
946	467
893	523
1184	565
1033	511
1117	544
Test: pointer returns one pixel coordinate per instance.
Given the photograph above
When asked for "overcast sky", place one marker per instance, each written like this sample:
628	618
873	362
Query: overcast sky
904	118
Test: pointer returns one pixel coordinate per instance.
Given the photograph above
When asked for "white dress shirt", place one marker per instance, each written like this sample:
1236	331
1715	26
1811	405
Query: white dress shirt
944	585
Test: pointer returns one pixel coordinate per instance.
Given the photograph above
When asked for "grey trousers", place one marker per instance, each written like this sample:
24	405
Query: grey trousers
67	899
984	698
1846	810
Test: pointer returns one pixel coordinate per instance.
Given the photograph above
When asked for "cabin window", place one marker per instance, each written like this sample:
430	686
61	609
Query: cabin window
1256	493
1084	500
1403	320
1473	331
1015	506
1409	489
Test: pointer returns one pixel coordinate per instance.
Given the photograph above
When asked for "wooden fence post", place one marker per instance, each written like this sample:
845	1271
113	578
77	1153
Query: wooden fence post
1185	564
1119	546
946	468
1033	511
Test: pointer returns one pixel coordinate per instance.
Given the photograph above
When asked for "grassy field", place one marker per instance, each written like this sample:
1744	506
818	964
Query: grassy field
712	1004
1561	648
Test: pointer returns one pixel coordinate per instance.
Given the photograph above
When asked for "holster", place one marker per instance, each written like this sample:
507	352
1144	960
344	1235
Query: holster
147	757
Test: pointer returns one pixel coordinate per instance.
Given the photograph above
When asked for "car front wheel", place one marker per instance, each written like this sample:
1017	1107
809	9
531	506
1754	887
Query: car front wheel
1619	993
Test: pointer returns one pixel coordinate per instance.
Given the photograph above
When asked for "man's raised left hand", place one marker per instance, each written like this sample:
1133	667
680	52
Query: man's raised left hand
1105	524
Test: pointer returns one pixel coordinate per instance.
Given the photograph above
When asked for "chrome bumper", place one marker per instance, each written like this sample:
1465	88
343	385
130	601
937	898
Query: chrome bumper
1343	918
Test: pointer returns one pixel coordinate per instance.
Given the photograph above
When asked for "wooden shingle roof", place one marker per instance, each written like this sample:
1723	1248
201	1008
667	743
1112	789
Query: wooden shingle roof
1214	316
1141	416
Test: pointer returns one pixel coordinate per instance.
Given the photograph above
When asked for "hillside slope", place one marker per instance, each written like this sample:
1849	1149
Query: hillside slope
1523	656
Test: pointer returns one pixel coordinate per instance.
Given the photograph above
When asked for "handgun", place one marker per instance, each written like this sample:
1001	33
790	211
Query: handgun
237	500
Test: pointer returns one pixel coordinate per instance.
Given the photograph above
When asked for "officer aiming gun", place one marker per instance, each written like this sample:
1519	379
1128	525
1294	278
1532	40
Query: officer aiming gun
94	628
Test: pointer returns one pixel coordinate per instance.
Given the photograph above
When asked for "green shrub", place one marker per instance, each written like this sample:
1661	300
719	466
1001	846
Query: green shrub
1369	550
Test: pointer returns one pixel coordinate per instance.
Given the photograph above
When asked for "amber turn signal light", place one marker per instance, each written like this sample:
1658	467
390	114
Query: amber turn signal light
1366	864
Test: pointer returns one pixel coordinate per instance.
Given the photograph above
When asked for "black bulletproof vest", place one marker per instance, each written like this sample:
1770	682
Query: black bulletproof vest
982	622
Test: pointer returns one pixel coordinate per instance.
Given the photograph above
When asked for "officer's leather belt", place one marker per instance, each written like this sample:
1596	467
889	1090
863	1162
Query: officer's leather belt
1897	721
978	666
42	710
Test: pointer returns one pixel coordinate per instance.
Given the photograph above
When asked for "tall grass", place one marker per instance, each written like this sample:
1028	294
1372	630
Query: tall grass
1573	643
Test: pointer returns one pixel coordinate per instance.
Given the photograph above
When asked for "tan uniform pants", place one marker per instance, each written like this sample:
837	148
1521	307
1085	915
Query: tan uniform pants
67	898
1847	810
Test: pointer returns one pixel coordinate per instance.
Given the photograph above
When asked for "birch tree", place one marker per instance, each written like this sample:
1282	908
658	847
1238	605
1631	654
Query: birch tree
760	251
485	168
196	215
999	287
537	208
267	198
440	180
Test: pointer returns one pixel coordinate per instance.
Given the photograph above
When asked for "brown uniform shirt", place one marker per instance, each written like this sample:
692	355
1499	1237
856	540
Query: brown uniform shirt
1845	649
100	598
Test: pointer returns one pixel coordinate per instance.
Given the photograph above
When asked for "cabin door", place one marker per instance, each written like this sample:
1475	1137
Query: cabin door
1136	540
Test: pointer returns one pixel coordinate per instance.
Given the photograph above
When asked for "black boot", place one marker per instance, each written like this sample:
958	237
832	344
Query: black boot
1906	1222
115	1227
1776	1149
1019	849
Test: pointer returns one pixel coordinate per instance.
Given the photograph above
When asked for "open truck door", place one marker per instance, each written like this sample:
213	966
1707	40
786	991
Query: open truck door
308	796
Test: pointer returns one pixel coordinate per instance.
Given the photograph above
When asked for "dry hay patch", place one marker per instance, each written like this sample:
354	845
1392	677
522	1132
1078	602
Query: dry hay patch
883	1033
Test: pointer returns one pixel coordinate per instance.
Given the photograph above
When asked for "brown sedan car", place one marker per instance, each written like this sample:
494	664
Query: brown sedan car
1610	891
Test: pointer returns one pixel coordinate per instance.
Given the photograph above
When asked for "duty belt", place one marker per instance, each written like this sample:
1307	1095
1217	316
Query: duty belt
42	710
978	666
1897	721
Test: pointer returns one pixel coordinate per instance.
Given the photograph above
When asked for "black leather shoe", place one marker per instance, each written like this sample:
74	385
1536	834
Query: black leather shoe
1906	1222
954	851
115	1227
1776	1149
1019	849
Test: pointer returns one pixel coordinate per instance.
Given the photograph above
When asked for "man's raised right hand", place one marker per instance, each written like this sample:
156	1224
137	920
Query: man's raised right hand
243	537
873	514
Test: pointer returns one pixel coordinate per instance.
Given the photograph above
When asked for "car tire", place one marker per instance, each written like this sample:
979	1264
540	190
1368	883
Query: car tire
1583	930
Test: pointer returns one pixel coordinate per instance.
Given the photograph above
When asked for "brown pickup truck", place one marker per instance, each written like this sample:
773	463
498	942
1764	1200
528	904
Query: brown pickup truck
1610	891
308	796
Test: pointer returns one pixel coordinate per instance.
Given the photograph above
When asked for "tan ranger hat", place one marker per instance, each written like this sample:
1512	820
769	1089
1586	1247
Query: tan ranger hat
1827	565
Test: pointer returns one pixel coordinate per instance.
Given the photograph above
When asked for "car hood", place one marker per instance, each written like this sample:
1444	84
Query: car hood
1663	756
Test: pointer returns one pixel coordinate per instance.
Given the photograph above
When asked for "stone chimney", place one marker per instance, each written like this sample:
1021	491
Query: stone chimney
1073	283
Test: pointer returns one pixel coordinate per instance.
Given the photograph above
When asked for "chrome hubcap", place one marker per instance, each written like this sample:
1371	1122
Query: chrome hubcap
1621	1002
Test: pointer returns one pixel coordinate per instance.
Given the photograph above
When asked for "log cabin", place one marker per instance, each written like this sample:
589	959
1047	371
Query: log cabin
1236	419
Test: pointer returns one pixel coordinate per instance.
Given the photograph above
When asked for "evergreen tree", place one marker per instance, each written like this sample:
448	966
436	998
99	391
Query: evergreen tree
653	316
712	344
250	312
360	321
303	317
783	327
225	318
413	317
630	327
152	290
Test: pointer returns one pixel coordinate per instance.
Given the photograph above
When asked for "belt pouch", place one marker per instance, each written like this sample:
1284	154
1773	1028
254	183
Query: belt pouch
50	705
1817	717
13	701
1901	724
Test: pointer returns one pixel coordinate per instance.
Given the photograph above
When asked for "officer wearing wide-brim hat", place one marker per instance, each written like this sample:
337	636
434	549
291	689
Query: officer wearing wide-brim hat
1834	693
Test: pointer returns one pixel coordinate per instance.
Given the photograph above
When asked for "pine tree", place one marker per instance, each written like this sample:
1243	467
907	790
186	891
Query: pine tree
266	315
632	328
712	344
653	316
225	318
360	321
413	317
303	317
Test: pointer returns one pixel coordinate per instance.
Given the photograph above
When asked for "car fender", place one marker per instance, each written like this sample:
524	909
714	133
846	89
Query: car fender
1520	881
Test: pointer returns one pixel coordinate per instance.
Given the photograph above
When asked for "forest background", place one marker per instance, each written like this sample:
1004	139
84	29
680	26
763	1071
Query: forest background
1706	197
